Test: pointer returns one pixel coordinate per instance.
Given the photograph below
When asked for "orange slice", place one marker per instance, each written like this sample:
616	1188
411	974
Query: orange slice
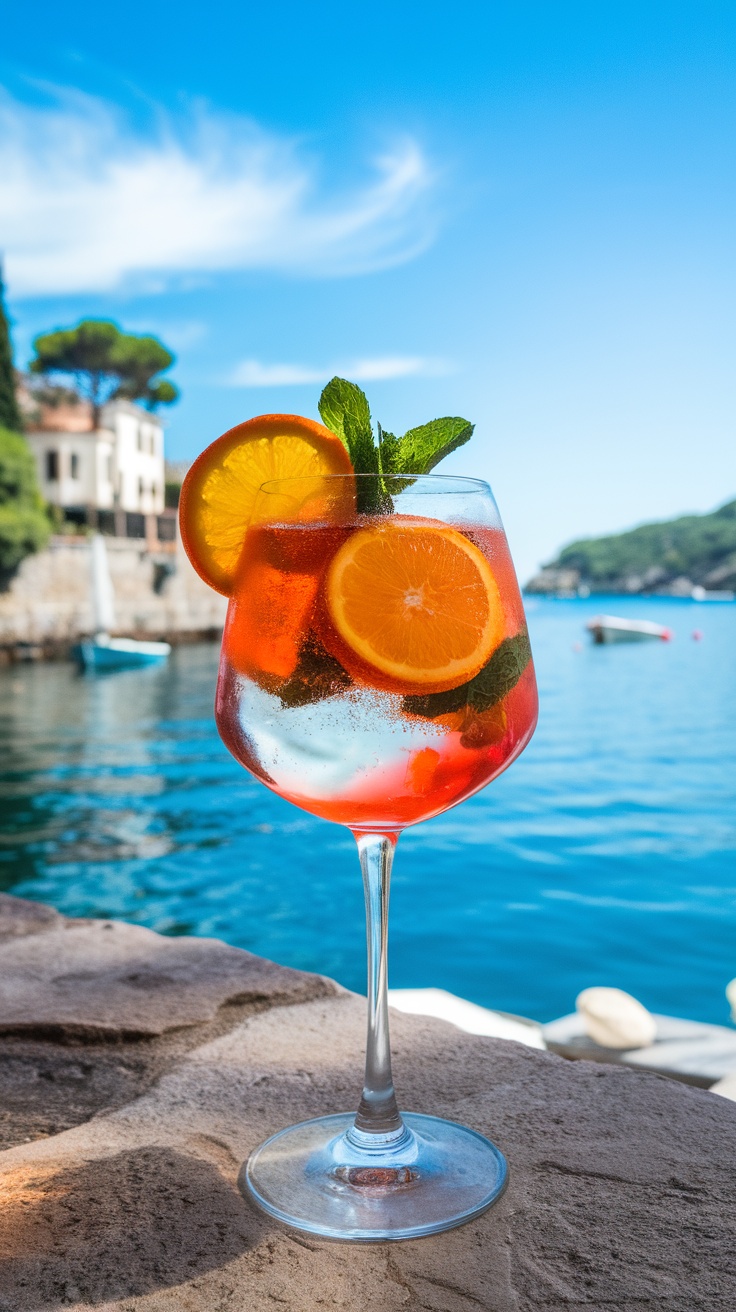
221	488
414	606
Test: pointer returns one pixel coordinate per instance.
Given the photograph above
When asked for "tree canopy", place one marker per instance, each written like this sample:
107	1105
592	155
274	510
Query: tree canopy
24	526
10	416
106	362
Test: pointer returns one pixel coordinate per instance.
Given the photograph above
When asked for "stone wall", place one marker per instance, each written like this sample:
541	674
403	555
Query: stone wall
48	603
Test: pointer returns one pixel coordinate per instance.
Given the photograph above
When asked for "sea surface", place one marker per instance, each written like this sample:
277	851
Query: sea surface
605	855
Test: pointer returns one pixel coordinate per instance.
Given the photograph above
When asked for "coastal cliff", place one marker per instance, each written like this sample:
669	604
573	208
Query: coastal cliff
670	558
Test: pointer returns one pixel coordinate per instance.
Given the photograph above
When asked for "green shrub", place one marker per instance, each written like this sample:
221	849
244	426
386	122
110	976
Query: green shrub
24	524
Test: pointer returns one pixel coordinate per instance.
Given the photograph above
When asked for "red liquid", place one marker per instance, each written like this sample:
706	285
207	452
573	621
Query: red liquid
328	741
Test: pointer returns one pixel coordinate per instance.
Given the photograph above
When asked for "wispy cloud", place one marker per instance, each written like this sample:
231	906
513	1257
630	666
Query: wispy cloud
252	373
87	203
180	334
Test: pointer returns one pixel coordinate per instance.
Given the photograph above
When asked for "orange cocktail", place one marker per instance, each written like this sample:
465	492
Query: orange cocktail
375	670
427	747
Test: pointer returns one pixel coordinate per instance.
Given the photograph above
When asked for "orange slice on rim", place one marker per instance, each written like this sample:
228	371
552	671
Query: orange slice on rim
220	491
414	606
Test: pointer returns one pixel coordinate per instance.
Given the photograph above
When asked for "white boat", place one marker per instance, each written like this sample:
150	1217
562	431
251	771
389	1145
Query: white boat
611	628
103	652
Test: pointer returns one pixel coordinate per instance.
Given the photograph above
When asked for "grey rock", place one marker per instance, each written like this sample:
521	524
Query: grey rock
723	576
123	1225
621	1197
47	1087
654	575
19	916
93	979
550	580
682	586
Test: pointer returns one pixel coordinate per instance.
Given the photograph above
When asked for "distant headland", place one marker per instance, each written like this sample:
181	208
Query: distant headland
678	558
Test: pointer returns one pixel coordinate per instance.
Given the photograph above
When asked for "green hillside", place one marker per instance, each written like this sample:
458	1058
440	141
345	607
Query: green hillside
701	548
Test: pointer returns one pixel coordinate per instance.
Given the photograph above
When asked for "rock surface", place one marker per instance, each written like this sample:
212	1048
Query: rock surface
621	1195
106	979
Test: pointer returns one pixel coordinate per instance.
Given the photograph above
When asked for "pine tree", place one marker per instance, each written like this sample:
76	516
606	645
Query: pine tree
106	363
10	416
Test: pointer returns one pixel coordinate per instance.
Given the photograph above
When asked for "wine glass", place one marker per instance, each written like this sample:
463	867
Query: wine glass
375	670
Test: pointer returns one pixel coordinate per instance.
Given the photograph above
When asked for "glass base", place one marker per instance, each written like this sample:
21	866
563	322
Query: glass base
329	1179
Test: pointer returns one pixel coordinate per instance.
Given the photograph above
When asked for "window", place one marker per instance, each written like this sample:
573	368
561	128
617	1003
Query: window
74	466
141	487
140	440
52	466
108	468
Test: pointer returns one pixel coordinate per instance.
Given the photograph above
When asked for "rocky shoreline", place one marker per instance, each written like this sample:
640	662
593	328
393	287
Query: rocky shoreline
138	1071
562	582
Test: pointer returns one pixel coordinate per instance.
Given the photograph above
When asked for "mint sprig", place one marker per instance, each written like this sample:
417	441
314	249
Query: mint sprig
345	411
501	673
419	450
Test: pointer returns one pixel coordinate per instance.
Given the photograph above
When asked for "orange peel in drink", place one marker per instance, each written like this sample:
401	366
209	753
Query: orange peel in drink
220	491
413	606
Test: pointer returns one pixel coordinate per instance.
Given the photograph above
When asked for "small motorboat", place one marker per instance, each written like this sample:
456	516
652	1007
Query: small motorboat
611	628
102	652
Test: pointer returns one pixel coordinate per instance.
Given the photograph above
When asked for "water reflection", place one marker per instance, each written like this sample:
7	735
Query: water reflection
118	798
607	854
92	765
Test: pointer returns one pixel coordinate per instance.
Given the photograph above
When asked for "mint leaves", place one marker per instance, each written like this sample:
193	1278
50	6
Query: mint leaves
317	676
419	450
345	411
486	689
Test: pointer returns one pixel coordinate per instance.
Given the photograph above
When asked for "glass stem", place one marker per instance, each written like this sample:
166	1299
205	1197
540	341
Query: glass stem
378	1113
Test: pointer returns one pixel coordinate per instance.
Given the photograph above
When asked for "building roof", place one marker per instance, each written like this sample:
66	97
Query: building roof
69	417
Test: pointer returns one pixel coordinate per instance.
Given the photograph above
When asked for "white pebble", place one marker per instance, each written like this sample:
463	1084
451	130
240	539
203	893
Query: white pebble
726	1087
614	1019
731	995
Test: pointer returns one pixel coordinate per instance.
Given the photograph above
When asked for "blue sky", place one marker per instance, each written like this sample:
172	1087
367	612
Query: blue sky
518	212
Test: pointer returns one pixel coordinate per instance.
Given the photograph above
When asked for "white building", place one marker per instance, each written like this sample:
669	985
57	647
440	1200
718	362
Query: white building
116	467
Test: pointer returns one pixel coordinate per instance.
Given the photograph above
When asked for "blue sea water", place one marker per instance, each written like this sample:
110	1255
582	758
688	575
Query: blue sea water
605	855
